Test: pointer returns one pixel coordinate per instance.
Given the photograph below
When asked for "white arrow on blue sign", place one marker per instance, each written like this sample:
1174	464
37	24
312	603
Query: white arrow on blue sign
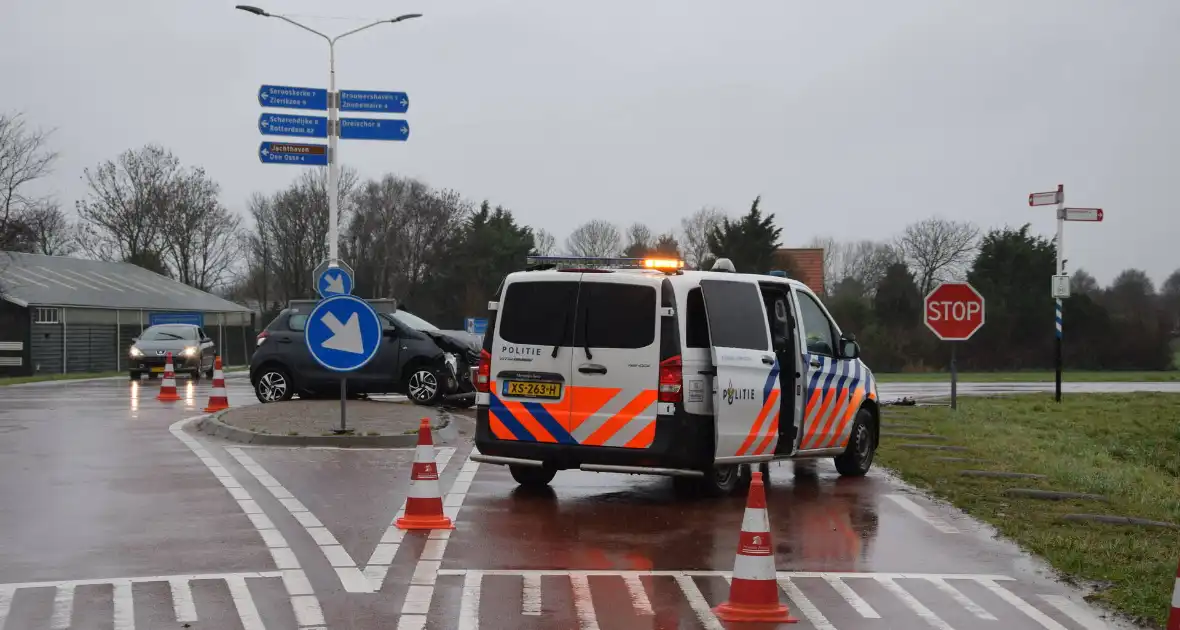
293	125
291	97
334	281
373	129
343	333
376	102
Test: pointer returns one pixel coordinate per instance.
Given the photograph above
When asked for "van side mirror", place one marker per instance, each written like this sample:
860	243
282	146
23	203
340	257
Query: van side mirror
849	348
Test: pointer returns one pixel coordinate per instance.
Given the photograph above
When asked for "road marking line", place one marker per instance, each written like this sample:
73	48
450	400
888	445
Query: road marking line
1022	605
805	607
1072	610
583	602
469	604
920	512
305	605
638	595
350	576
418	598
530	597
124	607
914	605
244	604
5	603
963	600
697	602
63	607
725	574
183	605
853	598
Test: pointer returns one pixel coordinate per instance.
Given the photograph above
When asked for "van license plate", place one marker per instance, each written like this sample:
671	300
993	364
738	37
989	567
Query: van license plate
526	389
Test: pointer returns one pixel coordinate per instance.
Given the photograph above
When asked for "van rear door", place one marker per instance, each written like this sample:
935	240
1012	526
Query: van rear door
746	396
532	359
616	361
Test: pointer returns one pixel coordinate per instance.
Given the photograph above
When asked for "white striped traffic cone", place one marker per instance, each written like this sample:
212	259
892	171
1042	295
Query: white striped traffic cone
424	508
753	592
217	398
168	385
1174	615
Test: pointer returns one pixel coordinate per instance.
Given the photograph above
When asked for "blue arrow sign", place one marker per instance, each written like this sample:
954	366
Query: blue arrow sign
375	102
373	129
343	333
292	97
334	281
291	153
477	325
293	125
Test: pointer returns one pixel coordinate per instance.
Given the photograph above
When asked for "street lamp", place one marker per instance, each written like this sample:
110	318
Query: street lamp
333	113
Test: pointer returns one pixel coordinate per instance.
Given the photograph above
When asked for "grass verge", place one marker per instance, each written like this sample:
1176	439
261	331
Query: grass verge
39	378
1124	446
1031	377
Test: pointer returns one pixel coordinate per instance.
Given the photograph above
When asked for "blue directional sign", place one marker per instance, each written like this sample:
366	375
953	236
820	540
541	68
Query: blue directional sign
477	325
375	102
293	125
334	281
343	333
292	97
373	129
291	153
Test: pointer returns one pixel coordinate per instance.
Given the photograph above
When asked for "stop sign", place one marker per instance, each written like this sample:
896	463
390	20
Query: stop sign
954	311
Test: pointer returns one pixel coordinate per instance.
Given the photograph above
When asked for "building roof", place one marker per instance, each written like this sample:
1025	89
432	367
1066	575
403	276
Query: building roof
33	279
807	265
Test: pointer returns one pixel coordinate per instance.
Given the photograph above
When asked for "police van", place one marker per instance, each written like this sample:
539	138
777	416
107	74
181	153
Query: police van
640	366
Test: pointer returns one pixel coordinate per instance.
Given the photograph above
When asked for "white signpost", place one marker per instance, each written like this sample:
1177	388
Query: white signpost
1060	288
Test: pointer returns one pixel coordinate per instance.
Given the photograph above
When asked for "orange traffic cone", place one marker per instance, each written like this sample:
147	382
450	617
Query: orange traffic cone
1174	615
168	385
217	399
753	593
424	508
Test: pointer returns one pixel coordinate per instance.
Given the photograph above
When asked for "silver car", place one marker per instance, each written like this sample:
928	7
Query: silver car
192	351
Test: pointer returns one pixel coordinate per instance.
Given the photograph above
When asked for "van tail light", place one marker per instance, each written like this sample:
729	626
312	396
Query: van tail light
483	374
671	380
261	338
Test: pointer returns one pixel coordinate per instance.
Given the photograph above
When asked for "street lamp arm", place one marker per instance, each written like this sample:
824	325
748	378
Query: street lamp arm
368	26
310	30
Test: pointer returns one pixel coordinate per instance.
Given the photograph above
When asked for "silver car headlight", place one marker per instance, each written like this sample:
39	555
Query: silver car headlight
190	351
135	352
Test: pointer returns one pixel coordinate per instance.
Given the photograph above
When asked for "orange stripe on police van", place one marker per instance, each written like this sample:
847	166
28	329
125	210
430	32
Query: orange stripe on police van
526	420
619	420
838	438
498	428
587	401
756	430
644	438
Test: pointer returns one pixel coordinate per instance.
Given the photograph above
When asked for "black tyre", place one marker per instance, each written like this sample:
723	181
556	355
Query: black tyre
764	468
721	481
195	375
209	373
857	458
423	386
273	385
153	376
133	375
532	476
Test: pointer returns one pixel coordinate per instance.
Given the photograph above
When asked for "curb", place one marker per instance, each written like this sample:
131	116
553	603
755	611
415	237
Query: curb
210	425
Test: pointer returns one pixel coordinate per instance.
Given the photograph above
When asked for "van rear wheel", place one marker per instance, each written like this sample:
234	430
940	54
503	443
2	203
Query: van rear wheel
532	476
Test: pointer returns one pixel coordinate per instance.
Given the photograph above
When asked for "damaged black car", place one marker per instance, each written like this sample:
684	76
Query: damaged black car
417	359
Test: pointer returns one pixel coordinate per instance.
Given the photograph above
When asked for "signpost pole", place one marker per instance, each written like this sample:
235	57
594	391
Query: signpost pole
343	388
333	160
954	377
1060	270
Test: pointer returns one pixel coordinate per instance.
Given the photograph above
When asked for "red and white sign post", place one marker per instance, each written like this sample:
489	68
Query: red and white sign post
954	311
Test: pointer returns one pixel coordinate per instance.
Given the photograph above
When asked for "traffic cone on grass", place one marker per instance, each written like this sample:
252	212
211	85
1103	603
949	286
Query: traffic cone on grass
424	507
168	384
753	592
217	398
1174	615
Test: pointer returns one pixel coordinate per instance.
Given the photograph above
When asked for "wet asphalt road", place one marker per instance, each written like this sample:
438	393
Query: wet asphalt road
113	516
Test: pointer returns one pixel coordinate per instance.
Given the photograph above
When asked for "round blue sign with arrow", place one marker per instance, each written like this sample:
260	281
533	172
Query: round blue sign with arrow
343	333
334	281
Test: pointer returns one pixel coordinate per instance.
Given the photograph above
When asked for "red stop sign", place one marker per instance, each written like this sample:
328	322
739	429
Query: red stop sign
954	311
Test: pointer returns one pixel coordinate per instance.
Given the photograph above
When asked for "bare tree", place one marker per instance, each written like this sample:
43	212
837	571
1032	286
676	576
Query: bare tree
864	262
639	241
24	158
128	201
594	238
938	249
544	244
696	229
200	237
49	230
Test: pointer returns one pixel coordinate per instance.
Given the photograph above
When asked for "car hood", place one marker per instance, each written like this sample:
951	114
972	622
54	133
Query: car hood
456	340
174	345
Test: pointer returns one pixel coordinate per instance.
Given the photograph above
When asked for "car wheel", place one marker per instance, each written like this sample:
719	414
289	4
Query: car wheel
532	476
195	375
209	373
273	385
721	481
857	457
153	376
424	387
133	375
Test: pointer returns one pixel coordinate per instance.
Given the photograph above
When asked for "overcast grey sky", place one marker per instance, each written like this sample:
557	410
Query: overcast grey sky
850	118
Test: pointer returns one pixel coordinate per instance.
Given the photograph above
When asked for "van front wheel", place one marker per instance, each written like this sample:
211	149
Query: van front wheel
857	458
532	476
721	481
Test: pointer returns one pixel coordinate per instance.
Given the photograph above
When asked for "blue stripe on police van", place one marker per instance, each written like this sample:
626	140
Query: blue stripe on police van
549	422
771	379
510	422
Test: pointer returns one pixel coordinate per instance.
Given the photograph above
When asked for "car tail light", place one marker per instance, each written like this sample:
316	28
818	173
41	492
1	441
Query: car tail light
261	338
671	380
483	374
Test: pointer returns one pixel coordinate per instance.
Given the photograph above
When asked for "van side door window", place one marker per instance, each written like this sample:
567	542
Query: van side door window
829	379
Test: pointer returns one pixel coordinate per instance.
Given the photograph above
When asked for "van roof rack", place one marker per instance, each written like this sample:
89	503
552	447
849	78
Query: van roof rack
537	263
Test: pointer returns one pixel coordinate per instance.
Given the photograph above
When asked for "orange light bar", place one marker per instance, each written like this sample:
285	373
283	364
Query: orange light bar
662	263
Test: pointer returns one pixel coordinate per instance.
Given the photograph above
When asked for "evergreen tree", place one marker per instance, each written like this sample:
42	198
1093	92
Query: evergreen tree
749	242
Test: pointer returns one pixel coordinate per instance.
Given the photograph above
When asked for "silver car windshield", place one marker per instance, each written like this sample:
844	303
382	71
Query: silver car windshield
168	333
413	321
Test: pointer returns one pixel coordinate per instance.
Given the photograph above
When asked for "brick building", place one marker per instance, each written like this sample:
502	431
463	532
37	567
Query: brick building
805	265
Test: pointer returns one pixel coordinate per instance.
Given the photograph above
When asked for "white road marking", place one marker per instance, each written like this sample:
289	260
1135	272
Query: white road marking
124	607
182	601
583	602
921	513
469	604
638	595
804	605
244	603
303	602
63	607
852	597
530	598
698	603
1072	610
963	600
1022	605
912	602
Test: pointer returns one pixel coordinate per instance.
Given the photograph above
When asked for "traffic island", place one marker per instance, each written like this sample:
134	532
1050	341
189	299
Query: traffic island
373	424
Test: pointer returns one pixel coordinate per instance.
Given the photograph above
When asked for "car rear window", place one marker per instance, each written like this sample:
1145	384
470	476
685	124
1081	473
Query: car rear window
297	323
538	313
616	316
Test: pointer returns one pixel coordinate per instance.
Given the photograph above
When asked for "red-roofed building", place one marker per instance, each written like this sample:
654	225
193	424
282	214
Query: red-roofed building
805	265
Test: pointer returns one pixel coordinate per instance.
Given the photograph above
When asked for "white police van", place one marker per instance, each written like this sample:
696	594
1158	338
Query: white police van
639	366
